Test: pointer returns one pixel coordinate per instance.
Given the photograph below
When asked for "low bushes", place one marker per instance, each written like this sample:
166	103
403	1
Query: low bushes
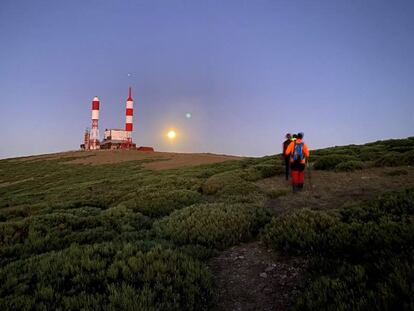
269	170
408	157
390	159
349	166
350	163
240	178
55	231
212	225
355	288
329	162
106	277
362	255
369	156
216	182
250	174
393	152
401	149
160	203
398	206
381	225
230	187
302	232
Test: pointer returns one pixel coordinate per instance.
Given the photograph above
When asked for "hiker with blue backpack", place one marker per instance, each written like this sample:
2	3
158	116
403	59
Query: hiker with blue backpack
298	152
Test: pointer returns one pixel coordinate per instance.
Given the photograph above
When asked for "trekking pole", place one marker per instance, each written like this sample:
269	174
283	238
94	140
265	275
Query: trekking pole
309	173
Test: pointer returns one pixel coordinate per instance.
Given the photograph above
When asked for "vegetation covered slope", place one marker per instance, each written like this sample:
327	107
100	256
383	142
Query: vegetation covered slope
119	236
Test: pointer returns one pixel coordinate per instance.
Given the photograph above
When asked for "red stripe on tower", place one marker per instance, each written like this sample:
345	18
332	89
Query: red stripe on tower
128	127
129	114
95	105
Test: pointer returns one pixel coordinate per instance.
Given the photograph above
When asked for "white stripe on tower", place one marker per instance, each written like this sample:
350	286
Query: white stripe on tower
94	136
129	114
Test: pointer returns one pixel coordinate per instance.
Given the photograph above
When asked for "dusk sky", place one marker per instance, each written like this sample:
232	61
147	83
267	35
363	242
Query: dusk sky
341	71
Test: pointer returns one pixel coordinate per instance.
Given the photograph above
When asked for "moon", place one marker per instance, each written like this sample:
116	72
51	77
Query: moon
172	135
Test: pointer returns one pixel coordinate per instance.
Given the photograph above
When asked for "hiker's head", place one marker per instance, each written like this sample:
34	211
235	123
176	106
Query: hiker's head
300	135
288	136
295	136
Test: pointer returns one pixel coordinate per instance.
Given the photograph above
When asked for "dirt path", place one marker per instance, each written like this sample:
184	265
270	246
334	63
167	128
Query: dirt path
251	277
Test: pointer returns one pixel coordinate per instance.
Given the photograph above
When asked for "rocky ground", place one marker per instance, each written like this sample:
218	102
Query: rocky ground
250	277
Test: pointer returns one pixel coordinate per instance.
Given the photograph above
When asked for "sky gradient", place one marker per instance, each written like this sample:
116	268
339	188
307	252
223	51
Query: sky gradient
248	71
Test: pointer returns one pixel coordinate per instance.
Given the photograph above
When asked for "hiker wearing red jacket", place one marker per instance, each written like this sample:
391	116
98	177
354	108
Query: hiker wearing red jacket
298	152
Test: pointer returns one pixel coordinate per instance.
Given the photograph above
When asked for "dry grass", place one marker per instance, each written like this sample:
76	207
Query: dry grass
159	160
328	189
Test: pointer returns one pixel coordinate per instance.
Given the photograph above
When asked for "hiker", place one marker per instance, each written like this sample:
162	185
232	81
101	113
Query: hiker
286	143
298	152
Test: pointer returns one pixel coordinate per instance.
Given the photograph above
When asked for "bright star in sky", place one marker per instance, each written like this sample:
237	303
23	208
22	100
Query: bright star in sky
172	134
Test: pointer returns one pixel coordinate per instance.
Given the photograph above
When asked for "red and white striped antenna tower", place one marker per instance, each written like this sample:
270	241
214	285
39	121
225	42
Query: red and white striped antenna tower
128	119
94	135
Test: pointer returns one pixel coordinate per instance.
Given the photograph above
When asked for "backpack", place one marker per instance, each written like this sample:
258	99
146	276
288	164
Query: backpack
298	152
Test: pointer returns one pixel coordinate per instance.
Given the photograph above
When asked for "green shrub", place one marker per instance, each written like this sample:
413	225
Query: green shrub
390	159
231	187
370	147
245	163
399	206
216	182
349	166
269	170
106	277
250	174
239	189
401	149
254	197
319	234
198	252
329	162
15	212
301	232
370	153
58	230
369	156
408	157
336	293
362	254
160	203
393	143
261	171
211	225
354	288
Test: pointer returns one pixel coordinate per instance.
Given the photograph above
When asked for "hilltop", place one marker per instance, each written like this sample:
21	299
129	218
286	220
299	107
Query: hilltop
150	160
165	231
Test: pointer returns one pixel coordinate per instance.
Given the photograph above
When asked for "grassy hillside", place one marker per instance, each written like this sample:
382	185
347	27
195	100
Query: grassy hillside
122	236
